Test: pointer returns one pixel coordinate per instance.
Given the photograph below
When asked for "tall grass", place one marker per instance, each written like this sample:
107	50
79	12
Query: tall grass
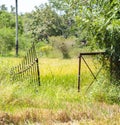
56	100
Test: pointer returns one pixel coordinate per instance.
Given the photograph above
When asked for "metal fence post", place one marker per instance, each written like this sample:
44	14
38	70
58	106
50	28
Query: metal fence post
79	72
38	72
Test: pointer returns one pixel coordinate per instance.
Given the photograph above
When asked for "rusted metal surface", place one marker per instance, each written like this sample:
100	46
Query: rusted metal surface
28	68
81	57
91	53
79	73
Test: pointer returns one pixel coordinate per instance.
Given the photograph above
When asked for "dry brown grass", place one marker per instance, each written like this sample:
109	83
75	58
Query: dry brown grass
97	114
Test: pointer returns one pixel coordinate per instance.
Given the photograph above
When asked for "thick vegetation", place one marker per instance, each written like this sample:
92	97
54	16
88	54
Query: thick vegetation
92	21
61	30
57	99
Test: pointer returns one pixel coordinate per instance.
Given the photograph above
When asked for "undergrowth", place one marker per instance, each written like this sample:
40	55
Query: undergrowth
57	99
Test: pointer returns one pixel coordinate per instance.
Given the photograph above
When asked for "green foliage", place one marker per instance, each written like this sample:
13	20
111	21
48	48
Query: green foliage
7	40
63	45
99	20
106	92
45	22
46	49
26	20
67	13
25	42
7	30
113	44
7	19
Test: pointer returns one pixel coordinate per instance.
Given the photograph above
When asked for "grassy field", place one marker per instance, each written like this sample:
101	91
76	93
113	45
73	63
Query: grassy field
57	101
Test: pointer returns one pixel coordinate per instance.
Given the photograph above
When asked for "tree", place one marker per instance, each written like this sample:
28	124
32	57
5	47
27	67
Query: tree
45	22
12	9
67	10
3	7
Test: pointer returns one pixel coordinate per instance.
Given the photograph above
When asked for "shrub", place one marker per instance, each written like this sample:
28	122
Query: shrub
46	49
64	45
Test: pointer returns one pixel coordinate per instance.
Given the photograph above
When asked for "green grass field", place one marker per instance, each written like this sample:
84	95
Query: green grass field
57	101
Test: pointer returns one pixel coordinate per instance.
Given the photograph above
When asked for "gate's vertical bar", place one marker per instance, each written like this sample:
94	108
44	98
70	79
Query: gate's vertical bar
79	71
38	71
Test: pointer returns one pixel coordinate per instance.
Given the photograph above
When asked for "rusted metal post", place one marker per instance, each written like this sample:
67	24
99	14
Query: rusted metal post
79	72
38	72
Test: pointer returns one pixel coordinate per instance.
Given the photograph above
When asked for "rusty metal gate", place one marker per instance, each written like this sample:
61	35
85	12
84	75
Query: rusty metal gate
81	57
28	68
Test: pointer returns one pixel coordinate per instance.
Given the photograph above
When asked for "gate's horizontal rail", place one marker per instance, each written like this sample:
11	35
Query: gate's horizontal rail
91	53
